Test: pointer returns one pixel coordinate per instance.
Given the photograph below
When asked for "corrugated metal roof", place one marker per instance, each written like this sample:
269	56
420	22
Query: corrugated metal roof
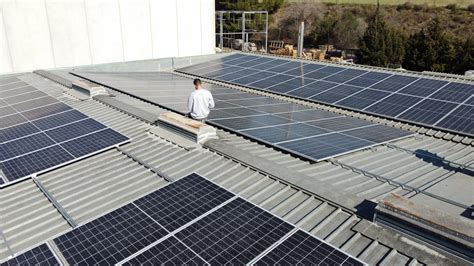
98	184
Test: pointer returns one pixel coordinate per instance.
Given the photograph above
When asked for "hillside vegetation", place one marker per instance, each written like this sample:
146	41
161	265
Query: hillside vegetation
416	37
439	3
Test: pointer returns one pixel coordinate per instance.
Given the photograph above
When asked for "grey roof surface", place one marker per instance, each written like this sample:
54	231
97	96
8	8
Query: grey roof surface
101	183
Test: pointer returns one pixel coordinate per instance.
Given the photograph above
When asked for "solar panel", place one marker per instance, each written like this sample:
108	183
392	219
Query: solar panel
168	252
190	221
40	255
262	118
325	146
303	249
186	199
110	238
234	234
374	92
38	133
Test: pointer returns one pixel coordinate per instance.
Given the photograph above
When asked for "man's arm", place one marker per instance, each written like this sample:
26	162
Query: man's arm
190	103
211	101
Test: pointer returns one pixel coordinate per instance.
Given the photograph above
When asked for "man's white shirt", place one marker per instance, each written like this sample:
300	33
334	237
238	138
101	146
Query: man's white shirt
199	103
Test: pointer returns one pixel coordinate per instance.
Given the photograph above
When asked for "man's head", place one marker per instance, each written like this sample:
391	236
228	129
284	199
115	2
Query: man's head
197	84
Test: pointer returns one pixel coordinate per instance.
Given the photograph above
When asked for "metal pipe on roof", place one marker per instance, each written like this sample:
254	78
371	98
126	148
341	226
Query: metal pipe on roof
55	203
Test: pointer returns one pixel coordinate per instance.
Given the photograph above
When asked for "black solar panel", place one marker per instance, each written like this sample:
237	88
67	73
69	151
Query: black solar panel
186	199
40	255
234	234
385	94
168	252
231	231
110	238
303	249
38	133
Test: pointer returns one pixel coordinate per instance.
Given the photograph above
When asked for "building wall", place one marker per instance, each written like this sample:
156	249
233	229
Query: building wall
38	34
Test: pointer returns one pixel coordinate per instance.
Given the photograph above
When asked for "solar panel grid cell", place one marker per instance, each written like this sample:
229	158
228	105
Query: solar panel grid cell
168	252
110	238
303	249
190	197
40	255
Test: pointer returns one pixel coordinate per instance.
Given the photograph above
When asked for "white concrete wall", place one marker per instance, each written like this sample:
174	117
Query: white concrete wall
38	34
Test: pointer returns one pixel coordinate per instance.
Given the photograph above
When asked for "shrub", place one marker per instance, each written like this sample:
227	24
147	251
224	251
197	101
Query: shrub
405	6
452	7
471	8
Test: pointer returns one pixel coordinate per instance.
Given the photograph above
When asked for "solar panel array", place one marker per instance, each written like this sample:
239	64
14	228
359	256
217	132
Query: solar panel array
447	105
38	132
310	133
190	221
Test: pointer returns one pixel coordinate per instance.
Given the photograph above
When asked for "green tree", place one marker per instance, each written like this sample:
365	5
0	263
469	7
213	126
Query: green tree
348	30
465	57
381	45
249	5
324	32
432	49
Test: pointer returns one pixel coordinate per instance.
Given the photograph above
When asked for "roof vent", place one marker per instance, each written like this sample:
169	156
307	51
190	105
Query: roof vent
196	131
448	232
88	89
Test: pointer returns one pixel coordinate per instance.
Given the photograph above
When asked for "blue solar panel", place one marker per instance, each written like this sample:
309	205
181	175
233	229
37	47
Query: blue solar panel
393	105
93	142
35	103
30	163
40	255
303	70
178	204
271	81
46	111
394	83
245	80
287	132
423	87
290	85
11	120
24	145
10	93
378	133
455	92
286	67
74	130
59	119
24	97
362	99
428	111
345	75
312	89
340	123
461	119
17	131
325	146
33	124
335	94
13	85
6	110
368	79
261	118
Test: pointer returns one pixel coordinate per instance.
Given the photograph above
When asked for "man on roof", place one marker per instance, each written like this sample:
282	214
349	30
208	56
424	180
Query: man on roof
199	102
